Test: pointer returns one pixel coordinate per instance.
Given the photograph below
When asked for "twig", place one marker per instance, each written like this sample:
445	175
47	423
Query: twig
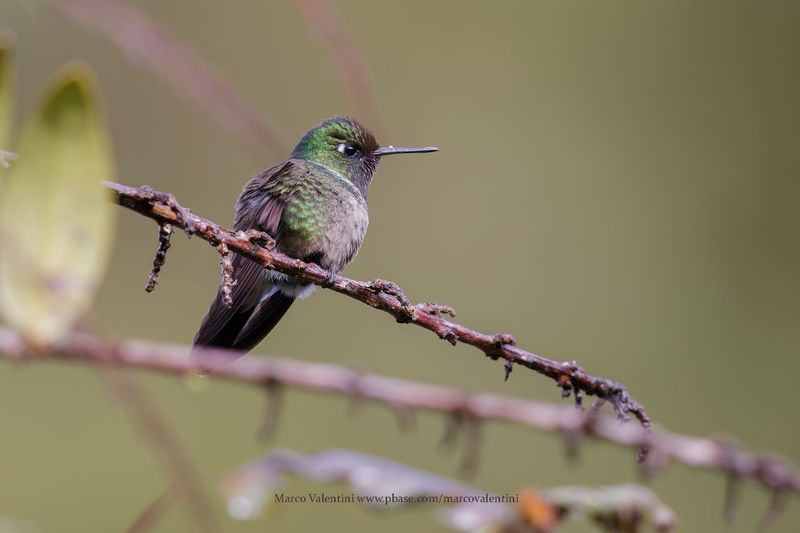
226	269
775	503
324	20
386	297
472	439
272	410
164	235
151	514
150	46
708	454
167	446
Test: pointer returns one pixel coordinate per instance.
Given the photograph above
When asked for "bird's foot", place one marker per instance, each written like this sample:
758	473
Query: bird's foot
258	237
408	311
435	309
330	280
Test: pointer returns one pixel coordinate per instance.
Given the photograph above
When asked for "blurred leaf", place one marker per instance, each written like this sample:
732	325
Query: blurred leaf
6	96
6	87
55	217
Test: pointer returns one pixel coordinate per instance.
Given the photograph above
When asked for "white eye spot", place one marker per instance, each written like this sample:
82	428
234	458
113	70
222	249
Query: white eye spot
349	150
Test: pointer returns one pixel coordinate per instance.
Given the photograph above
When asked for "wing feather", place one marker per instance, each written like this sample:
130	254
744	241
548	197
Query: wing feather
260	206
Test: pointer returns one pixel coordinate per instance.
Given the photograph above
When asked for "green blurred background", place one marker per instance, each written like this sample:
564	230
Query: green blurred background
617	183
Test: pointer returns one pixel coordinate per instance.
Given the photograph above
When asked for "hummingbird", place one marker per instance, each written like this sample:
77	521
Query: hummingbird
314	205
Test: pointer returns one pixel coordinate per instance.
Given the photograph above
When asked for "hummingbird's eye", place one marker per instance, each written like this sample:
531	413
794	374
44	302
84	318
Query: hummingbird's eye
348	150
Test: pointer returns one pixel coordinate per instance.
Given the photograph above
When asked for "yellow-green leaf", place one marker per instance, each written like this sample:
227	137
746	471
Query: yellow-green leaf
6	95
56	219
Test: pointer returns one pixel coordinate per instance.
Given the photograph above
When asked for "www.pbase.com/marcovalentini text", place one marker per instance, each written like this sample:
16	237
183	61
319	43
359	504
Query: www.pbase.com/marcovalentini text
392	499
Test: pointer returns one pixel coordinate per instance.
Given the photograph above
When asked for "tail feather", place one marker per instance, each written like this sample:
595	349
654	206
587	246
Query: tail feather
264	317
242	328
221	335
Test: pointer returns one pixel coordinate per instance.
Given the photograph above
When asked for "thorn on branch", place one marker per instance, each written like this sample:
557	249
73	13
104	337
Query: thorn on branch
594	410
729	452
773	510
731	498
453	423
508	367
503	339
226	266
272	410
498	342
472	445
572	441
462	423
436	309
392	289
644	448
164	236
406	421
622	411
355	398
578	400
656	459
447	334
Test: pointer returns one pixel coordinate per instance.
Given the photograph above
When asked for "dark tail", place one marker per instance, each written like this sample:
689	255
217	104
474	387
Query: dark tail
243	329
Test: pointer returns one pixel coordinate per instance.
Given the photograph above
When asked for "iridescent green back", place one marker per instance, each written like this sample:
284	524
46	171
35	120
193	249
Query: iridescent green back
305	215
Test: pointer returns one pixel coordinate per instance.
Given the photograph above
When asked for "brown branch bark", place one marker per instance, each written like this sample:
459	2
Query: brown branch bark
709	454
385	296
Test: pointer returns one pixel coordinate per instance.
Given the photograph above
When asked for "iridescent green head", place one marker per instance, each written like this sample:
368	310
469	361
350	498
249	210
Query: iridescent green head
345	146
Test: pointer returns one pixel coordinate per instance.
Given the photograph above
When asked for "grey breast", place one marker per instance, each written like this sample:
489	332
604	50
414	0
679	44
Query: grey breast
347	227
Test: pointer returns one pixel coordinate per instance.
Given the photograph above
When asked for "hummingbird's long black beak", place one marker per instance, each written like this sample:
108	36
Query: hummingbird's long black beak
390	150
